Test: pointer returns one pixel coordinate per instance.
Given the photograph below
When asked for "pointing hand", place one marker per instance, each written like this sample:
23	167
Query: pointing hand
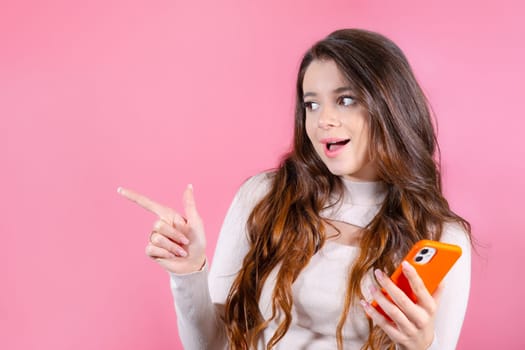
177	243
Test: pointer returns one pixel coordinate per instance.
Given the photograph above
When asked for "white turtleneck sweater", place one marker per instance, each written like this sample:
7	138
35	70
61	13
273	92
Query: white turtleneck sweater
318	292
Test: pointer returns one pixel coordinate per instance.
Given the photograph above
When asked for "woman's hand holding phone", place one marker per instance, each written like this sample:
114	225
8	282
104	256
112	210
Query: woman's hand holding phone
411	324
405	307
177	243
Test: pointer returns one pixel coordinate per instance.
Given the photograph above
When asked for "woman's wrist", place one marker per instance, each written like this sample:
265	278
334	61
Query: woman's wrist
191	267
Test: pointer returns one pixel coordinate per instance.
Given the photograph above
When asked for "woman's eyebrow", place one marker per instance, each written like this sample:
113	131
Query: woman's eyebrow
308	94
336	91
342	89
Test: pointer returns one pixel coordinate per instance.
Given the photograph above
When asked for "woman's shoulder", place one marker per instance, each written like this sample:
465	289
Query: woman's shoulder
455	233
257	185
254	188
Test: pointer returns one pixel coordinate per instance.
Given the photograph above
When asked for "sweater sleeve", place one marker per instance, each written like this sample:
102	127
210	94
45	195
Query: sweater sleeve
199	297
453	303
198	319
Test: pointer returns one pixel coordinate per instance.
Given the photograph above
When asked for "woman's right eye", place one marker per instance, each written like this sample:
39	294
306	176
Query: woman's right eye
310	105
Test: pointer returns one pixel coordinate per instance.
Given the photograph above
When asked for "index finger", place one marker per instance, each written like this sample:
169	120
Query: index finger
148	204
424	298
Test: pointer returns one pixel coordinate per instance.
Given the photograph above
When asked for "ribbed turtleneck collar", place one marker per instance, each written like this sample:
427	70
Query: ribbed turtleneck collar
364	193
360	204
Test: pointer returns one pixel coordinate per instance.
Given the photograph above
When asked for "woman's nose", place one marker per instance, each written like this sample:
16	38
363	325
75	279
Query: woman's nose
328	118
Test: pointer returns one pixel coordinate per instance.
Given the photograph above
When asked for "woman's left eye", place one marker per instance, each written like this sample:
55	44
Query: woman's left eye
346	100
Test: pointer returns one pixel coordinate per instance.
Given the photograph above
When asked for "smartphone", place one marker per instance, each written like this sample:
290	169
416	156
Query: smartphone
432	261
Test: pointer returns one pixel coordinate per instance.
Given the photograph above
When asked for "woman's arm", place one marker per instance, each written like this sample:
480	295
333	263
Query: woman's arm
199	298
198	320
453	302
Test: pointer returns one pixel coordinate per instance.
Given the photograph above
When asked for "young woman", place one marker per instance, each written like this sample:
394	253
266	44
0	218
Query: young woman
305	248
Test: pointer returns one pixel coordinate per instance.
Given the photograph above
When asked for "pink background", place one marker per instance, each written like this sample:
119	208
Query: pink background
157	94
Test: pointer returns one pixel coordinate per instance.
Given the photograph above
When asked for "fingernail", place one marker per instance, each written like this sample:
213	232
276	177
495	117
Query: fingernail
379	275
190	186
406	266
182	252
184	240
364	304
119	190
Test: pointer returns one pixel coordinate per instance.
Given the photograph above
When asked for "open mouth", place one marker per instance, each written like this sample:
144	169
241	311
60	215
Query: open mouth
334	146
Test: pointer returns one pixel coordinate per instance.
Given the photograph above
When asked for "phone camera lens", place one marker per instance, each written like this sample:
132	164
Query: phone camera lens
418	258
424	251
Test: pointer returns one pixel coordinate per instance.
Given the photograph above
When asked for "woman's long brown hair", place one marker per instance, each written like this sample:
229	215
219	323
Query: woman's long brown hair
285	229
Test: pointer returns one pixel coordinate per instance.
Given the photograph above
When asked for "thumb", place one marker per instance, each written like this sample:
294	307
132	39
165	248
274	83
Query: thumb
190	208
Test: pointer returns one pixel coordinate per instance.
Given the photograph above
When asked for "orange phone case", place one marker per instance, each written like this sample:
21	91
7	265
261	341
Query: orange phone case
431	272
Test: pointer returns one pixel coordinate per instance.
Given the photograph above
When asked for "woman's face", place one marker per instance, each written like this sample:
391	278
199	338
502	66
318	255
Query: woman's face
336	123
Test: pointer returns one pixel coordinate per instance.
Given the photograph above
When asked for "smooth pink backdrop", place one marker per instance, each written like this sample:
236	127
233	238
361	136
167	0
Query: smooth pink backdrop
157	94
